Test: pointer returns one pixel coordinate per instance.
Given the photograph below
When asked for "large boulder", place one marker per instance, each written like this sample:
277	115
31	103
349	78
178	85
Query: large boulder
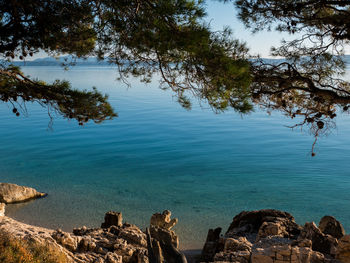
329	225
262	223
271	236
325	244
12	193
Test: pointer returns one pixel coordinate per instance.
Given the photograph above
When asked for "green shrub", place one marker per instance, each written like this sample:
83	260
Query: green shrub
23	251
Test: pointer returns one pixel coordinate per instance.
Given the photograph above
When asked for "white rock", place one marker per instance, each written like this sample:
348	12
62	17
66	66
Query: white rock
12	193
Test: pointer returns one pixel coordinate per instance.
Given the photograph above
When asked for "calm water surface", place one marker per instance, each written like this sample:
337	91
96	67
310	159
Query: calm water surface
204	167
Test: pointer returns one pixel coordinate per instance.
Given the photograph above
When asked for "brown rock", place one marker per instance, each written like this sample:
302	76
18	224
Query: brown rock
12	193
240	244
272	229
329	225
320	242
249	222
2	209
164	236
133	235
112	219
211	246
236	257
66	240
113	258
163	220
343	249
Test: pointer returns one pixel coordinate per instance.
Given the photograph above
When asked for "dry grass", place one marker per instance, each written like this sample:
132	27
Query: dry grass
23	251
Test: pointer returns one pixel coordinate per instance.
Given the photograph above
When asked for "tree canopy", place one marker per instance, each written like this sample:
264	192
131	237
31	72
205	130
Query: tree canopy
170	39
140	37
307	83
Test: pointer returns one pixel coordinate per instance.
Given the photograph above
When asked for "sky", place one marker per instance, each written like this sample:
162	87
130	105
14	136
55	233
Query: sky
221	15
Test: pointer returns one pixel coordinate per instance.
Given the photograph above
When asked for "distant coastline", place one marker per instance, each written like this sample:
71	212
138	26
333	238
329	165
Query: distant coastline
94	61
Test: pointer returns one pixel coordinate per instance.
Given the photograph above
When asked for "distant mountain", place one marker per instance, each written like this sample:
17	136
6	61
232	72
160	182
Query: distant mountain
50	61
93	61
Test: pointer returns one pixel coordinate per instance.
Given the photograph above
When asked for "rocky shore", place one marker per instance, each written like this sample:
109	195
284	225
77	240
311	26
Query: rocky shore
272	236
264	236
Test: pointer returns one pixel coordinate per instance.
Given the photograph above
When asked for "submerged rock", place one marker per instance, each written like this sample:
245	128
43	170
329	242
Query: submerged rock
12	193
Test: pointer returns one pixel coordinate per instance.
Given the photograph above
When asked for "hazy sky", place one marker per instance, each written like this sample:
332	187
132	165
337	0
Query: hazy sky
220	15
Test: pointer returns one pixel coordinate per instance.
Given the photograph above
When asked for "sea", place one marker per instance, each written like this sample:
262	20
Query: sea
203	166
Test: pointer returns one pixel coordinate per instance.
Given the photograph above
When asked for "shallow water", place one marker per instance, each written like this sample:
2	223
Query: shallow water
204	167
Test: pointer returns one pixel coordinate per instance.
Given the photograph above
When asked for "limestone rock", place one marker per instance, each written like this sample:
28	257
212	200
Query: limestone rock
86	244
271	236
240	244
112	219
164	236
211	245
163	220
248	224
272	229
160	230
66	240
320	242
2	209
133	235
343	249
12	193
113	258
329	225
236	257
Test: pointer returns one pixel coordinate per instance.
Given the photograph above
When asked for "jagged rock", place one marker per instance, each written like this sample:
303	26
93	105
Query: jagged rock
271	236
80	231
320	242
211	246
142	256
329	225
163	220
133	235
236	257
112	219
2	209
164	236
113	258
65	239
86	244
12	193
279	250
159	230
240	244
302	243
272	229
99	260
248	224
343	249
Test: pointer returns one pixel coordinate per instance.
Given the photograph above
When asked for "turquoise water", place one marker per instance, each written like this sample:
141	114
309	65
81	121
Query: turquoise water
204	167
